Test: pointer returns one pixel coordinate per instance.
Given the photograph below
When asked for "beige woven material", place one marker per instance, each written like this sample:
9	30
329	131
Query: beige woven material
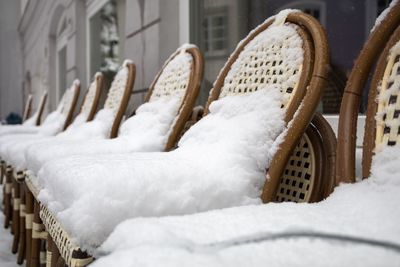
89	98
174	78
62	240
296	183
387	119
265	63
16	203
117	89
68	100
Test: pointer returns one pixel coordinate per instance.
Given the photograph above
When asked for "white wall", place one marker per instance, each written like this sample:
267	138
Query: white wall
11	96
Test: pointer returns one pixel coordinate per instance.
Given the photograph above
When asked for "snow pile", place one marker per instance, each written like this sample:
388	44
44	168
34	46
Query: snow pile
32	120
148	130
99	127
368	209
220	163
53	124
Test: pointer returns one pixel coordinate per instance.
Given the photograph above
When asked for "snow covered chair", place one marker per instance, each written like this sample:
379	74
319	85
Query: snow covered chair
262	60
382	126
176	87
351	215
55	122
87	112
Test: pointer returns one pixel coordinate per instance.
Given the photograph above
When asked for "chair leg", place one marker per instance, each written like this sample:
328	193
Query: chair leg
15	216
53	251
60	262
36	241
7	199
22	226
43	253
28	223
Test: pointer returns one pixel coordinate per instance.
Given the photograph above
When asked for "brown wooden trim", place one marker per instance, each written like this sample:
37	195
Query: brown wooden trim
347	131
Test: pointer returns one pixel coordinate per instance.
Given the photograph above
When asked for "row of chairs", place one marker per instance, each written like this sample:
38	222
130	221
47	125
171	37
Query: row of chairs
307	154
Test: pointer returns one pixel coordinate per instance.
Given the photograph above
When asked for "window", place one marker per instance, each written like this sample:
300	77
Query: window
215	33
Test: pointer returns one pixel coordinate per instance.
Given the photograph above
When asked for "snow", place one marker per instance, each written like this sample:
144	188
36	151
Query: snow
384	14
228	237
148	130
220	163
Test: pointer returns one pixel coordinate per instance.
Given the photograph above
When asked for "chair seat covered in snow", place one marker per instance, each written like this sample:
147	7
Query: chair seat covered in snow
54	123
85	126
86	114
175	87
357	225
280	65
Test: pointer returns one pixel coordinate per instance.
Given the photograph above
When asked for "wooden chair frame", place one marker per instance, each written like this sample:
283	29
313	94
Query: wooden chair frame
28	108
345	169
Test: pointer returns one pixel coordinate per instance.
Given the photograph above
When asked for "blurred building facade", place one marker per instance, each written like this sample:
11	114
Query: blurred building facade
46	44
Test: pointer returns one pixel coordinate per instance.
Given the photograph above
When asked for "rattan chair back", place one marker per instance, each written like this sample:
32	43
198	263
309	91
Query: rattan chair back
119	94
385	129
179	77
40	110
265	64
92	97
68	102
28	108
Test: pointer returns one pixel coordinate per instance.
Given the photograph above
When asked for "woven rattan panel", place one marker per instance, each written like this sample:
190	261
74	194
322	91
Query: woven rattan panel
297	181
274	57
388	116
62	240
89	98
67	100
174	77
117	89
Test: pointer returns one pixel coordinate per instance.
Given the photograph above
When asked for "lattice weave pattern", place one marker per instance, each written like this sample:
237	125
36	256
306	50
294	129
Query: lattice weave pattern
274	57
62	240
296	183
117	89
89	98
388	116
174	78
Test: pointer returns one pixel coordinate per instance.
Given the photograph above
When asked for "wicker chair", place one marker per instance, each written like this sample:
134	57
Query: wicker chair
171	81
66	106
117	100
267	68
383	130
89	108
13	200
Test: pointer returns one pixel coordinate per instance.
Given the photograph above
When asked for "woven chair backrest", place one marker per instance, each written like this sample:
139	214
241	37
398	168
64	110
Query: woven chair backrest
92	97
119	94
28	108
380	44
269	55
180	77
68	102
